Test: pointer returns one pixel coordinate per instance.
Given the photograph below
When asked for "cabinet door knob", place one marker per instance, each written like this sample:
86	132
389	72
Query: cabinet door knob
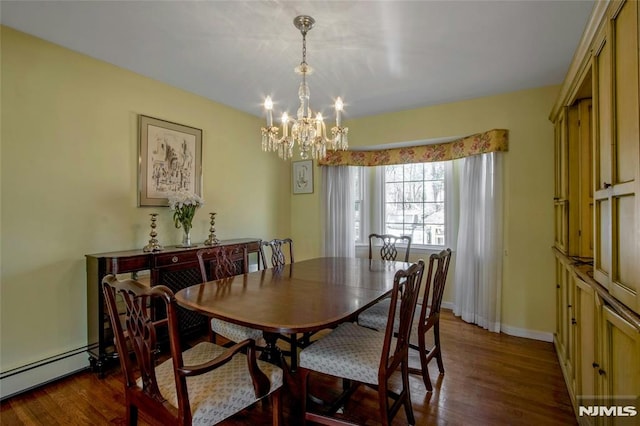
595	365
606	185
573	321
601	372
174	259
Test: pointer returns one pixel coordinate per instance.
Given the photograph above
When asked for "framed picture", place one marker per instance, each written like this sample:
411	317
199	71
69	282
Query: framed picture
302	177
169	159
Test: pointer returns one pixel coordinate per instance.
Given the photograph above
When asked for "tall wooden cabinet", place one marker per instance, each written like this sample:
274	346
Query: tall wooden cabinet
597	216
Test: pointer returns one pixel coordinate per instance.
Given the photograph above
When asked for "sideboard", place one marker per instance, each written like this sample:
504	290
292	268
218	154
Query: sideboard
174	267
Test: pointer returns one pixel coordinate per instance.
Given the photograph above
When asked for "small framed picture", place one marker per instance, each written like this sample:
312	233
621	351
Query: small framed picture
302	177
170	160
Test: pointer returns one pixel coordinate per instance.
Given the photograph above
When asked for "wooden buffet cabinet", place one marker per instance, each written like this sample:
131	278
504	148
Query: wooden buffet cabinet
597	217
174	267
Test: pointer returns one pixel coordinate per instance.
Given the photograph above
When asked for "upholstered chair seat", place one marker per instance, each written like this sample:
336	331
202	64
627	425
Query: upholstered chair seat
350	351
218	394
375	317
236	332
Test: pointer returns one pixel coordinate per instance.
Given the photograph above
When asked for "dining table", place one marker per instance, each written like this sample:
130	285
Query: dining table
301	297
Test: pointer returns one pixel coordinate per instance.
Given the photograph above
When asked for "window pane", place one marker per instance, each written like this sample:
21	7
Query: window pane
414	172
393	192
413	193
434	171
393	174
434	190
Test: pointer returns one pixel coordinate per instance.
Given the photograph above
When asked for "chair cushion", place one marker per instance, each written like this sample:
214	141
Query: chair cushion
220	393
376	317
236	333
349	351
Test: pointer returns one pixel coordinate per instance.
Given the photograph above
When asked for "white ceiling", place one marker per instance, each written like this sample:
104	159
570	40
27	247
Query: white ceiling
379	56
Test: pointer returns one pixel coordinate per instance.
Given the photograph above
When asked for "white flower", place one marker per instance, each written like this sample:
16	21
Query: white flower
182	198
184	204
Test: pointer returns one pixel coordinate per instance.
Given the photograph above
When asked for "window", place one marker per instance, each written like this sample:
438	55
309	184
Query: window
414	202
405	199
358	198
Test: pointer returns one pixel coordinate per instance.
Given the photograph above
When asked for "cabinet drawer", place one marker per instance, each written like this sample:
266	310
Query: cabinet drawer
129	264
176	258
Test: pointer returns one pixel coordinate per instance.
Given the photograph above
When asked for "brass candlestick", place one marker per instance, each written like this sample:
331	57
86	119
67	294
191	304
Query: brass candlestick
153	242
212	240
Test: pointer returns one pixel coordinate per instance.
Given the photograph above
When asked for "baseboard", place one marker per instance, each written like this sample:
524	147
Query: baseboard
529	334
514	331
39	373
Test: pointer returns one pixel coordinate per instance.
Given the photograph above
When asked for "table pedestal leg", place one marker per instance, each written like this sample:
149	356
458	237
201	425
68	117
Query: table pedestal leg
271	352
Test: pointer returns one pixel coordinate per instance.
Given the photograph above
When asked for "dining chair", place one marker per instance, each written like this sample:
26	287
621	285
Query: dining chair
376	316
388	246
222	262
201	385
361	355
278	259
427	316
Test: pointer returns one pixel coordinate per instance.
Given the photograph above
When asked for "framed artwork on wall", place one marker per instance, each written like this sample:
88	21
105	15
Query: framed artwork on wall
302	177
169	160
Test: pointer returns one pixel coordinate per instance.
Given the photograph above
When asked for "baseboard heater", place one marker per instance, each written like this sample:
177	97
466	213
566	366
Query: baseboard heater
38	373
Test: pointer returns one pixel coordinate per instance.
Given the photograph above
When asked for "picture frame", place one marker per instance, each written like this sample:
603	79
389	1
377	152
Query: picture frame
302	177
169	159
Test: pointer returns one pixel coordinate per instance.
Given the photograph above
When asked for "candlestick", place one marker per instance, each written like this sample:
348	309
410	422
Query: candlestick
153	242
212	240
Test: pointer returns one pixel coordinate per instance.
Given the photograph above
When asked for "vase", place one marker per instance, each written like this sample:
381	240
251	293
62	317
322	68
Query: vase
186	235
186	238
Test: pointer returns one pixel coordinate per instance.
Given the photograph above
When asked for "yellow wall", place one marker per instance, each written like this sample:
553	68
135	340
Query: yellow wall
528	301
69	177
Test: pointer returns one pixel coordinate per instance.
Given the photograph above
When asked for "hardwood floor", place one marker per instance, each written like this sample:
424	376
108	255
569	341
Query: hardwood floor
490	379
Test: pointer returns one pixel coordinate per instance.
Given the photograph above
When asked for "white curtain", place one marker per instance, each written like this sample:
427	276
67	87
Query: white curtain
478	275
338	207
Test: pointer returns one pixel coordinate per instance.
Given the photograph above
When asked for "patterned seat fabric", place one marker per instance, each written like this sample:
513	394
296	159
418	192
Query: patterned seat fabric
349	351
216	395
376	316
235	332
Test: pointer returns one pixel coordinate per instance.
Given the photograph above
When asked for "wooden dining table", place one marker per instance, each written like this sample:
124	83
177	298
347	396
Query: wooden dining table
302	297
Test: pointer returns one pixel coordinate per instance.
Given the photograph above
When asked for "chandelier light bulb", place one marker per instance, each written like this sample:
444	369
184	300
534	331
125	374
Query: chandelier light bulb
268	105
309	133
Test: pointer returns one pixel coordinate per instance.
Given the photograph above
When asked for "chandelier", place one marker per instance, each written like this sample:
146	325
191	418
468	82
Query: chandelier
307	131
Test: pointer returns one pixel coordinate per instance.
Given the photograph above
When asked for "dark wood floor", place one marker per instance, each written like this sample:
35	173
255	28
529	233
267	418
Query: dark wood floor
490	379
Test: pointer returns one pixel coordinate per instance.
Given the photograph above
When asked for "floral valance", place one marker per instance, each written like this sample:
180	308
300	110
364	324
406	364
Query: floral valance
480	143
